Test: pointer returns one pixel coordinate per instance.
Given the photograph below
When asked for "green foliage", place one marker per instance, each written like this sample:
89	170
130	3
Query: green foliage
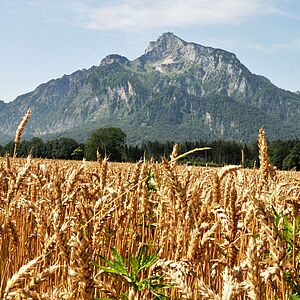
289	233
134	272
9	148
78	153
2	151
61	148
287	230
109	142
292	160
24	149
150	183
38	148
285	154
294	285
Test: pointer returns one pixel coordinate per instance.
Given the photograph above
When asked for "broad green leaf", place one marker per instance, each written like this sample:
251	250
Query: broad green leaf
149	261
110	270
114	265
119	260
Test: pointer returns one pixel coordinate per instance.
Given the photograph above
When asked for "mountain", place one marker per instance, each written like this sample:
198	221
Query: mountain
176	90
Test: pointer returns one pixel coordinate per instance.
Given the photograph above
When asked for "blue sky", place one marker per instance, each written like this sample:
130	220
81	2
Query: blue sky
45	39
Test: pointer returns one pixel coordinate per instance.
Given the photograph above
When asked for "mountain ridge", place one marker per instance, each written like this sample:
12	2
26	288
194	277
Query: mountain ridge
176	90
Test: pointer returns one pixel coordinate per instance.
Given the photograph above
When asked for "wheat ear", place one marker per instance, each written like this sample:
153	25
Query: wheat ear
20	130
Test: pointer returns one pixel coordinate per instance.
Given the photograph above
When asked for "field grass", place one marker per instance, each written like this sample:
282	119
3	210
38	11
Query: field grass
90	230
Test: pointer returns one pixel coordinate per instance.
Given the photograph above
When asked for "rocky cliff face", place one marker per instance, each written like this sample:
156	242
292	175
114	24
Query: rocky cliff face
217	71
175	90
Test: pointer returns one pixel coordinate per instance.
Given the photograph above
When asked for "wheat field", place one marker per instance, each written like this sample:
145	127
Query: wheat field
76	230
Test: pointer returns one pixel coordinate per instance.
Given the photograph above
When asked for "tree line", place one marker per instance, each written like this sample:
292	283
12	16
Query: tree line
111	142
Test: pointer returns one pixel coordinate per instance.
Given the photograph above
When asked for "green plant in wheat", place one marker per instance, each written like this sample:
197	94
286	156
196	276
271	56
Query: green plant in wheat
135	272
289	232
150	183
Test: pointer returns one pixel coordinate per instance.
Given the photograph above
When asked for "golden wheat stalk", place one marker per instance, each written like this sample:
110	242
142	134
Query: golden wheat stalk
210	224
21	275
20	130
188	153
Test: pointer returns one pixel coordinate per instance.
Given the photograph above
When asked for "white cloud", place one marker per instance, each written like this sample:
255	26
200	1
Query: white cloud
290	45
136	14
293	44
236	45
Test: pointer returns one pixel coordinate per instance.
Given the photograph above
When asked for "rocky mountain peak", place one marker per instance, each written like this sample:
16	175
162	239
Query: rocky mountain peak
114	58
169	53
166	42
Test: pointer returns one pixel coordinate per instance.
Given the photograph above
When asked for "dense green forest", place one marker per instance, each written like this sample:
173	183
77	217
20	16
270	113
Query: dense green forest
284	155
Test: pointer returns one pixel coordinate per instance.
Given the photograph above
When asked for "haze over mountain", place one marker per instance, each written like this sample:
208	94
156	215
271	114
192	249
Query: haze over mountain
176	91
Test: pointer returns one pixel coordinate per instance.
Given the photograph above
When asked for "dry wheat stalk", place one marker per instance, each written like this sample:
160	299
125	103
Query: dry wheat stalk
20	131
67	213
18	278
